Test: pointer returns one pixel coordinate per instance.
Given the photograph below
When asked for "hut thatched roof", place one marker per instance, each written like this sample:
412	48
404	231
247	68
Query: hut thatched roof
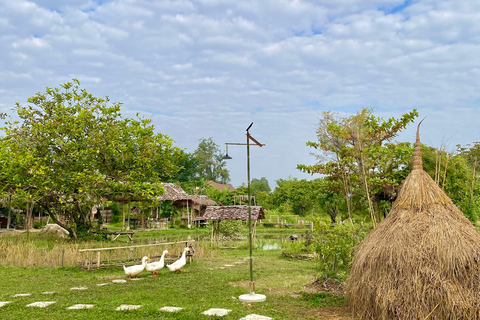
173	192
233	213
421	262
177	194
221	186
202	200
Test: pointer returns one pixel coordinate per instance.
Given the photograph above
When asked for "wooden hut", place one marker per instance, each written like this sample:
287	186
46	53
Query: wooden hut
220	213
421	262
195	204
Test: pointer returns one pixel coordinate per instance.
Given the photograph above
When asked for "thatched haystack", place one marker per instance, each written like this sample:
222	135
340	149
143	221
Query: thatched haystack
421	262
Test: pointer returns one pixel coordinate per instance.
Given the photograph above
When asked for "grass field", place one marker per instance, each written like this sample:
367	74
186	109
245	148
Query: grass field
204	283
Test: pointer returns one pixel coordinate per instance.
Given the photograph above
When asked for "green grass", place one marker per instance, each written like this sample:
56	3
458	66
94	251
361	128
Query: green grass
202	285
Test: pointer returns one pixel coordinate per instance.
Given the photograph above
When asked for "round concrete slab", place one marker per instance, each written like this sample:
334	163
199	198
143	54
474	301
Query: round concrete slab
252	297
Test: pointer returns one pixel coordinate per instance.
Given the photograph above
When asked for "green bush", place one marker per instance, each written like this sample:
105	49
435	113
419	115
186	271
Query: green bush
231	229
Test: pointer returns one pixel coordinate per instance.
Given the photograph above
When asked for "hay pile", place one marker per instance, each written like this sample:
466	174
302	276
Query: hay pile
421	262
56	230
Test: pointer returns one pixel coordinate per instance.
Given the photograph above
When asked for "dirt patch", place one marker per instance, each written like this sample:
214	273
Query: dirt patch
333	313
320	285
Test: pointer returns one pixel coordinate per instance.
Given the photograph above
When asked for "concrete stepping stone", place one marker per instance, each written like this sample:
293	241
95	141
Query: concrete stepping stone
102	284
136	279
79	288
216	312
41	304
255	317
80	306
22	295
171	309
48	292
3	303
128	307
119	281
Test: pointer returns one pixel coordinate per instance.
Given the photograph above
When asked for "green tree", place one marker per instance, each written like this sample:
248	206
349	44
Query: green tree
358	150
211	165
298	195
70	151
257	185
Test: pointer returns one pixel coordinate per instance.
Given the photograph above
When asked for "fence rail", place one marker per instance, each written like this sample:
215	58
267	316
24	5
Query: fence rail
91	261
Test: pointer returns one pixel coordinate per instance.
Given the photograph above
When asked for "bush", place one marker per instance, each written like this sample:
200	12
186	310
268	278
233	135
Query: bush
231	229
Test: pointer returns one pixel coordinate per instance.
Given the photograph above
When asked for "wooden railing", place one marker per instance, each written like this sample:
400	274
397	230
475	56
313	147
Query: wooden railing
90	261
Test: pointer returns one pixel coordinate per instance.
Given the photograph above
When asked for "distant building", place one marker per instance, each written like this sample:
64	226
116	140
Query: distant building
220	186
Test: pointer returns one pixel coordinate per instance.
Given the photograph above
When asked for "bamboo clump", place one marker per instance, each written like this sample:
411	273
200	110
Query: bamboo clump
421	262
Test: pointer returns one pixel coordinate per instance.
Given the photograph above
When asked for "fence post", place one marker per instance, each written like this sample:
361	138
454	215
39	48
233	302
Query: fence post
98	259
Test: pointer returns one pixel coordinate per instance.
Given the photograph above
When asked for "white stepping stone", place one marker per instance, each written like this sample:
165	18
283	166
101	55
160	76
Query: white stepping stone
2	303
119	281
216	312
102	284
171	309
41	304
128	307
80	306
48	292
79	288
238	262
255	317
136	279
229	265
22	295
222	267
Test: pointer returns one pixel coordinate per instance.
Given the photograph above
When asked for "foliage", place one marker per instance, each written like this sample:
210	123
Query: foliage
225	197
297	196
210	162
334	246
358	154
71	151
231	229
258	185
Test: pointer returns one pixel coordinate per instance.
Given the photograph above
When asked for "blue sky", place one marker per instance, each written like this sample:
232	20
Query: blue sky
207	68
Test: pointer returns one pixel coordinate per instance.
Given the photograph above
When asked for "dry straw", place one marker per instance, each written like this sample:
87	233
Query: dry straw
421	262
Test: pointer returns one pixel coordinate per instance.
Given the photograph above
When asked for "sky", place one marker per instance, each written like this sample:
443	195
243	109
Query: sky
208	68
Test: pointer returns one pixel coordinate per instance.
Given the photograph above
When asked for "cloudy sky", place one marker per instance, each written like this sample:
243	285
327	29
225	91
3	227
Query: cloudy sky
208	68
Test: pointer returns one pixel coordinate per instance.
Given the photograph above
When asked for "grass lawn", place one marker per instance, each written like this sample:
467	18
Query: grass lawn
205	283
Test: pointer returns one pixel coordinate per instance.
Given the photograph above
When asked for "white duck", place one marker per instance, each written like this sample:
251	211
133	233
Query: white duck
153	267
137	269
177	265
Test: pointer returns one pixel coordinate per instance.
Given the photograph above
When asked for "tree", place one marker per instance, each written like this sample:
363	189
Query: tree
71	151
299	195
211	165
358	151
257	185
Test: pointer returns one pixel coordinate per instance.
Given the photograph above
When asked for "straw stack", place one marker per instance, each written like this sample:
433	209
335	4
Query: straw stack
421	262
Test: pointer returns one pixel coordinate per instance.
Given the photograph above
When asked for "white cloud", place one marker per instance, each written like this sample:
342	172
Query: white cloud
209	68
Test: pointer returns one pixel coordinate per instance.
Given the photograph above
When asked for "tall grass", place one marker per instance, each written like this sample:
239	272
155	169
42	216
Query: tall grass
43	251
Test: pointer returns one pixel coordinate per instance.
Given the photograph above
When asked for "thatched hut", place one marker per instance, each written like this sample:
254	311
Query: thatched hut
421	262
216	214
195	205
220	213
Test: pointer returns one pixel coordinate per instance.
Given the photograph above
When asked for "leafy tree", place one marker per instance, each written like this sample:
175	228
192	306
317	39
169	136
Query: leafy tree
358	151
211	165
299	195
70	151
261	184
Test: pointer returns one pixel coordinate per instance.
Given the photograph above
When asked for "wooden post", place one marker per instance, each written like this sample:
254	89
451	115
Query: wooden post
98	259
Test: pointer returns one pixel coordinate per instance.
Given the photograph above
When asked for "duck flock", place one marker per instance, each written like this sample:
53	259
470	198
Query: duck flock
153	267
